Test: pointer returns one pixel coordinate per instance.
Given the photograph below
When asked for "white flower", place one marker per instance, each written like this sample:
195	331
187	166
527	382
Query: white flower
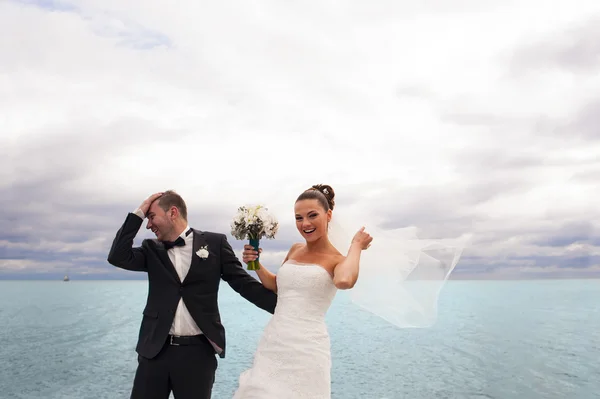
253	221
202	252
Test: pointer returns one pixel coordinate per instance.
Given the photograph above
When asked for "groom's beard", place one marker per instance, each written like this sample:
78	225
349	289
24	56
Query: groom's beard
158	233
165	231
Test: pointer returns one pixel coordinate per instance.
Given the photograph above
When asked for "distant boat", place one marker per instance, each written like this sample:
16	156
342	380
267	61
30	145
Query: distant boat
66	278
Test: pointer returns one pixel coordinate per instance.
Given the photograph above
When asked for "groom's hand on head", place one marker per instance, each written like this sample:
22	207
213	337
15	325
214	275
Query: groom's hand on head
148	201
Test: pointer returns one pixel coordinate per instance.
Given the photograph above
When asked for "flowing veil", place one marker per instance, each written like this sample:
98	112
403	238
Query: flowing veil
401	276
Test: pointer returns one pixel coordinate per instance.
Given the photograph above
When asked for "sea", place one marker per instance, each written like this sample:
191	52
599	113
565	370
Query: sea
493	339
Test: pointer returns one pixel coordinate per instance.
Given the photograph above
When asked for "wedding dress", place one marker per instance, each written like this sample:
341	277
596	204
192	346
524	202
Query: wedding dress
293	359
401	277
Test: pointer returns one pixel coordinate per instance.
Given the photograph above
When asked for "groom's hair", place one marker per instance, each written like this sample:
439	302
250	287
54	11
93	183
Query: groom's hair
171	198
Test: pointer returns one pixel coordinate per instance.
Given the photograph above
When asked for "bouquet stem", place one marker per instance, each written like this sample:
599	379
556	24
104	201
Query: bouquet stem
254	265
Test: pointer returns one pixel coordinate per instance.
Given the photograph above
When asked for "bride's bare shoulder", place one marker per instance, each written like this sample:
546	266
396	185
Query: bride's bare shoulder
296	246
293	249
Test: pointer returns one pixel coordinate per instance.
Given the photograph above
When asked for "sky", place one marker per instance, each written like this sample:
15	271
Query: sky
456	117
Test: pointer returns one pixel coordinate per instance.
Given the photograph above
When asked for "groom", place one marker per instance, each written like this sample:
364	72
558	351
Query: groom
181	328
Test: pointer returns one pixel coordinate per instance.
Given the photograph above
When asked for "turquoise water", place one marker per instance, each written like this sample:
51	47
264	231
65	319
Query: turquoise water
533	339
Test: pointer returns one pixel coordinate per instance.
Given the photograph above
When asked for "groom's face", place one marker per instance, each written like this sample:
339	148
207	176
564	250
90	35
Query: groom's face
159	222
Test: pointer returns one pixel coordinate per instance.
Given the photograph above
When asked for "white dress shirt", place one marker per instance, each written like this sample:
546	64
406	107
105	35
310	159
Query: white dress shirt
181	257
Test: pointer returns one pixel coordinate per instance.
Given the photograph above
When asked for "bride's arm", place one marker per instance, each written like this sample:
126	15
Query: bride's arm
266	277
345	274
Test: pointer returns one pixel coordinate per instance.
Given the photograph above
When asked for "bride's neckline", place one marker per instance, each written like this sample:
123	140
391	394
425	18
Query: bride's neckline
305	264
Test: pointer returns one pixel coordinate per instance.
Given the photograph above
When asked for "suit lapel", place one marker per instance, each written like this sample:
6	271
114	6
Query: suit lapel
196	264
164	257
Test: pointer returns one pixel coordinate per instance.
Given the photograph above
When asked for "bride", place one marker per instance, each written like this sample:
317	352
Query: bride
293	358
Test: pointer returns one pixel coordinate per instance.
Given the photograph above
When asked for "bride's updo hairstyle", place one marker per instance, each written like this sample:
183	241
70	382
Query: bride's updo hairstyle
322	193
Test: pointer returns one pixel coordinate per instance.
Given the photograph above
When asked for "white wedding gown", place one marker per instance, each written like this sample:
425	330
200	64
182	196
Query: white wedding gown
293	359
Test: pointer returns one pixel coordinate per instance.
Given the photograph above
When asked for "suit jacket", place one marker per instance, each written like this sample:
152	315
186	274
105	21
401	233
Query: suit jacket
199	289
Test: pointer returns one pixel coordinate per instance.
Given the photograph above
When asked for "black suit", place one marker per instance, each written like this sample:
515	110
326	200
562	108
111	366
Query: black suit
199	291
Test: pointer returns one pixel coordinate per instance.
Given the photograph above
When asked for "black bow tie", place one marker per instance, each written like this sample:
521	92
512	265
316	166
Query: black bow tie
179	242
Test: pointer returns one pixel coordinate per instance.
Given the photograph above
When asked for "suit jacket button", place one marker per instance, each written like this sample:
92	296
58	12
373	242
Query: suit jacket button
181	290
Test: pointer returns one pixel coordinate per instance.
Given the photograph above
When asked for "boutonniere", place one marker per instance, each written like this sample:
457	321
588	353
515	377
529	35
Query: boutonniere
202	252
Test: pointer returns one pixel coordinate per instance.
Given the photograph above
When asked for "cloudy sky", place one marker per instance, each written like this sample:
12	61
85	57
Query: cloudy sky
455	116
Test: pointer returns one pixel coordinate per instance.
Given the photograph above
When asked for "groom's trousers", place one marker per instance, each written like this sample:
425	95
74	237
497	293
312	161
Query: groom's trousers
185	365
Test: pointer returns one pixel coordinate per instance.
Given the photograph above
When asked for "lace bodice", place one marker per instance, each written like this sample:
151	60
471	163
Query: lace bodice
304	290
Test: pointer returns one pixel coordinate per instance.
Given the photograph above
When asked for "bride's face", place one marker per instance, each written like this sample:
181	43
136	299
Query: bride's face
311	219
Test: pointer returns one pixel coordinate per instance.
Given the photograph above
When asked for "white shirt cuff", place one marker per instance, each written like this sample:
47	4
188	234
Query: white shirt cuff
139	213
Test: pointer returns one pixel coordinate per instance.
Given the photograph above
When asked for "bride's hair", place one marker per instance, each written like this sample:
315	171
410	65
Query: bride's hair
322	193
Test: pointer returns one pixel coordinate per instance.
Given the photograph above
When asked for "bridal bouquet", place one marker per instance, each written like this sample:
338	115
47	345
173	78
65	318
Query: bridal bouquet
254	223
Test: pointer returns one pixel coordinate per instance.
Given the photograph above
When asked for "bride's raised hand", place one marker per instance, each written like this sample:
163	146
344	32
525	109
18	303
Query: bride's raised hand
362	238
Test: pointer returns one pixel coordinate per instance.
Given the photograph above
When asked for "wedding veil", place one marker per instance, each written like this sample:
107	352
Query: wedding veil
400	276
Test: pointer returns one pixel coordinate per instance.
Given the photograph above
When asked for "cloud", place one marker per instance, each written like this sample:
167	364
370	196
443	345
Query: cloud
576	232
429	115
572	48
50	5
585	124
